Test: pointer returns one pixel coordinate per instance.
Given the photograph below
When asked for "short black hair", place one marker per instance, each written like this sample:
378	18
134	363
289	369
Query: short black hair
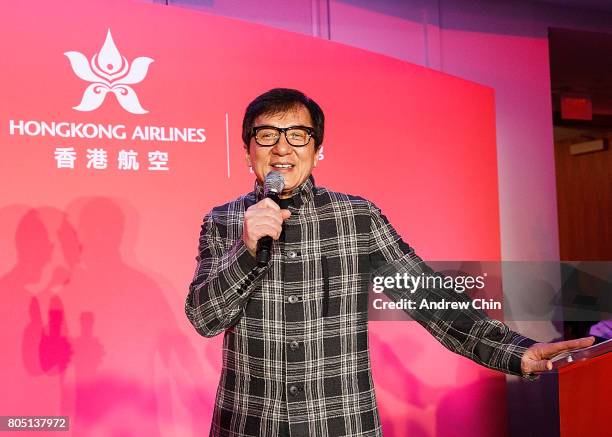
279	100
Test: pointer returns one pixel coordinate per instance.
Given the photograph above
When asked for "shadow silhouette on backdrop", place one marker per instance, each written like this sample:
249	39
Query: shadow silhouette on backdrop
36	353
89	336
124	322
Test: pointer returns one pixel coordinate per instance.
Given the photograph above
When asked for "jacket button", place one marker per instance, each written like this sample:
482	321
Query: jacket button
293	299
294	345
294	390
291	254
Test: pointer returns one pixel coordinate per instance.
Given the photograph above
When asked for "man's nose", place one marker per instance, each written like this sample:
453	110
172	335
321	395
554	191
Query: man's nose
282	147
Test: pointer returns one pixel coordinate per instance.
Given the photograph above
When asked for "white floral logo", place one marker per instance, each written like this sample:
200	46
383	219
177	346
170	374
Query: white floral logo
109	71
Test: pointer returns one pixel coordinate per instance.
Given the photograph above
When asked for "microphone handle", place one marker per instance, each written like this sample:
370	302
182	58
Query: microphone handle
264	244
264	250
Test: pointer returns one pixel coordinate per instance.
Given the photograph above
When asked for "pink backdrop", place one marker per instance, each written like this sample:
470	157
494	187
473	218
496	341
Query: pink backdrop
96	261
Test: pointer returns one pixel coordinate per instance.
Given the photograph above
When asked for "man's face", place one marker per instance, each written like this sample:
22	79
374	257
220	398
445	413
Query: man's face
301	159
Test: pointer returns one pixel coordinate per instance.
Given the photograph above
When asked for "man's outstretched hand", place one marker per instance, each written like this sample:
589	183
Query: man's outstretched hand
536	359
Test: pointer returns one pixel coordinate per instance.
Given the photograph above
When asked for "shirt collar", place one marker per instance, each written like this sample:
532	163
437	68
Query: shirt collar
301	195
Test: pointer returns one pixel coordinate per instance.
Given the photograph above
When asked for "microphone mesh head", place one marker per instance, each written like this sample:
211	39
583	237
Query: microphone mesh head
274	183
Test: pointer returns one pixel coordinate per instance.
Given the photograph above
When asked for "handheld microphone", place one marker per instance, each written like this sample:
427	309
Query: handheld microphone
273	186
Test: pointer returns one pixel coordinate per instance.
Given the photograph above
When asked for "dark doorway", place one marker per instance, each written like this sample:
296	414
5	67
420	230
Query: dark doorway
581	86
581	76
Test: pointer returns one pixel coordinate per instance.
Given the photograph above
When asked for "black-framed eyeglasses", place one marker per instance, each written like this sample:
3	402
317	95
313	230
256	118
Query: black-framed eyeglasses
297	136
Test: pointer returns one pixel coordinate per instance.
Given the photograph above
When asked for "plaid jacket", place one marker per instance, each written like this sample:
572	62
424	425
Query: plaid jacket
295	350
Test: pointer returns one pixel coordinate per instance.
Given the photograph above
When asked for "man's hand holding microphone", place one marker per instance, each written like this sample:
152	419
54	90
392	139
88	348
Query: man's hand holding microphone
263	221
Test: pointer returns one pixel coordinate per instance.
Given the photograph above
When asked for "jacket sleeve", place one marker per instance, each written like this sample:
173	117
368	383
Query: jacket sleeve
225	277
469	332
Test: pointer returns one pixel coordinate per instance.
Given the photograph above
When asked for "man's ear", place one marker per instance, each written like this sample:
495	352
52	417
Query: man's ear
316	157
247	156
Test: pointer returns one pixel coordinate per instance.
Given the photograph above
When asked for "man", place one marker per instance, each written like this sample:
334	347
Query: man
295	351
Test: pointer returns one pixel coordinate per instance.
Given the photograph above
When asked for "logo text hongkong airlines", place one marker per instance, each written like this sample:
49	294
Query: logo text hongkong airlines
107	72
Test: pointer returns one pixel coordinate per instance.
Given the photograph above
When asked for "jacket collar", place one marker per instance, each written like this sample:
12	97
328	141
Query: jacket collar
301	195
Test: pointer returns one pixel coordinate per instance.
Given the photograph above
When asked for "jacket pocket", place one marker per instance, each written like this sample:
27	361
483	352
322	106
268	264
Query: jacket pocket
325	271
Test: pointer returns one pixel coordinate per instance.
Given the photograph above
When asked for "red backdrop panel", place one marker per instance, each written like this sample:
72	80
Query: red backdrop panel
97	254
